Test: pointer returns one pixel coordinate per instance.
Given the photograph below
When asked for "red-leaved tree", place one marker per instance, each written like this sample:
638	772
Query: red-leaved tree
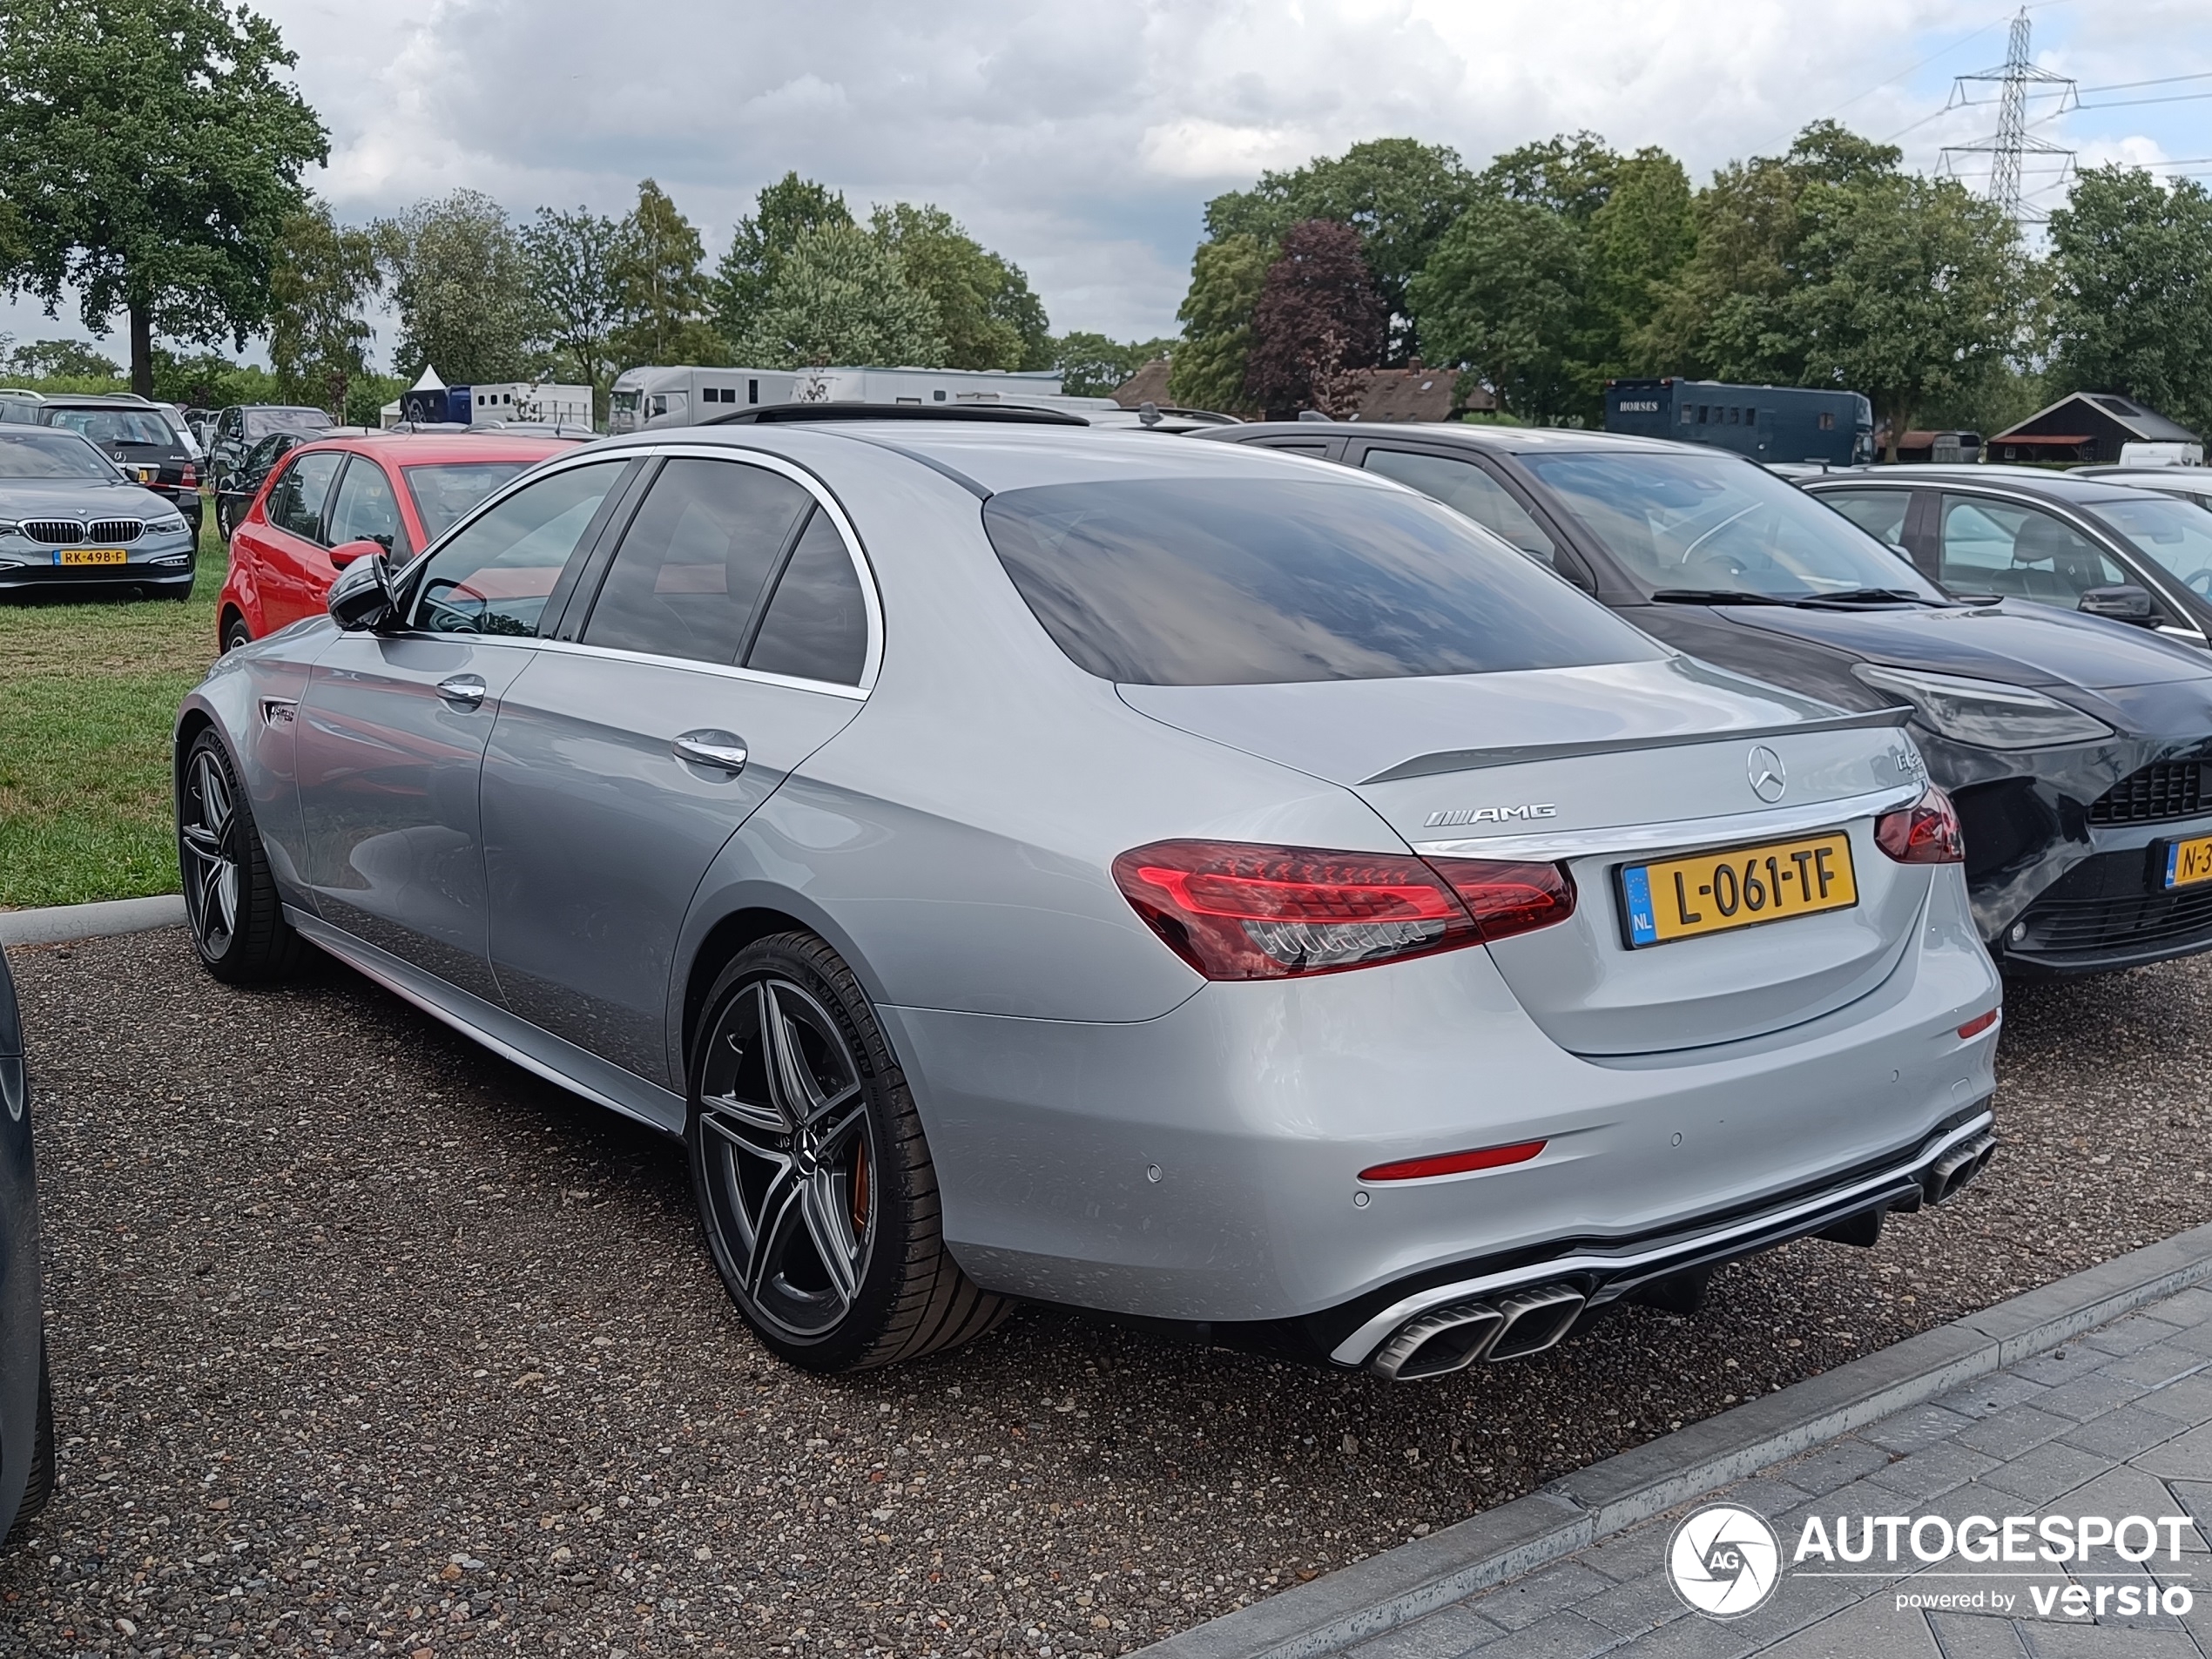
1318	320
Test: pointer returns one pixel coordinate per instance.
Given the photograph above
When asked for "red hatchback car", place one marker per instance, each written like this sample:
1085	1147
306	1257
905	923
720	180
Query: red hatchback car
404	489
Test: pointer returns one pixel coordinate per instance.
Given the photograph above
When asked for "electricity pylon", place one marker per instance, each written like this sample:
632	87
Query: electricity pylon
2011	141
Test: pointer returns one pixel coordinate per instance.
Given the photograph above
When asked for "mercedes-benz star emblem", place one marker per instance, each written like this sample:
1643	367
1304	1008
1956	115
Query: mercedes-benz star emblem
1724	1561
1769	777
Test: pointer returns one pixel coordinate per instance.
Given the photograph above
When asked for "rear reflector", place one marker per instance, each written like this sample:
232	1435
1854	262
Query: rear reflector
1979	1024
1489	1157
1236	910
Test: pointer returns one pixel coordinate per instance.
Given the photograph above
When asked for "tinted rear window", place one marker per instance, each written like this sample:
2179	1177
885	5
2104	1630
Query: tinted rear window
115	426
260	423
1241	581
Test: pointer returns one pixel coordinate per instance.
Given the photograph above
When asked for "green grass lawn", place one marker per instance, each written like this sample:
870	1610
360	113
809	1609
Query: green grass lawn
87	695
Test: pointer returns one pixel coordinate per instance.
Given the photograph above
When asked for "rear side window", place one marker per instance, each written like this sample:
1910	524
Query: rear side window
1880	512
817	625
296	503
1465	488
2019	553
690	573
1240	582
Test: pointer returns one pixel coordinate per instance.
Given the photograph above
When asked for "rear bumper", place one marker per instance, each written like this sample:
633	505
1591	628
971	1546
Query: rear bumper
1204	1167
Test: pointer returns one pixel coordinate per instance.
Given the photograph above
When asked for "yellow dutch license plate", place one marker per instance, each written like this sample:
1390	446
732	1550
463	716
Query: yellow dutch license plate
91	555
2188	862
1712	892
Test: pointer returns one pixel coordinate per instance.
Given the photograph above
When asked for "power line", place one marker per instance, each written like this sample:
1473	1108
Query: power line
2161	80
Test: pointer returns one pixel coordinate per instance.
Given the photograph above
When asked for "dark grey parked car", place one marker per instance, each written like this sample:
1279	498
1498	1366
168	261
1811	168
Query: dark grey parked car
26	1411
2074	746
70	522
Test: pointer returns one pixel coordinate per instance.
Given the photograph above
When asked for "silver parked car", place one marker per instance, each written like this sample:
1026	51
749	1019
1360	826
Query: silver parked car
70	522
1030	862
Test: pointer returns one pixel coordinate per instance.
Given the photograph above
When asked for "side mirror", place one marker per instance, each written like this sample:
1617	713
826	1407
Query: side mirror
345	552
2125	603
362	595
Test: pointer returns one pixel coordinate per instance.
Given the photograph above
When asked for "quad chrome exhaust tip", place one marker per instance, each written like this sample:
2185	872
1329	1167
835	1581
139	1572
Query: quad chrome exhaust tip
1451	1339
1960	1165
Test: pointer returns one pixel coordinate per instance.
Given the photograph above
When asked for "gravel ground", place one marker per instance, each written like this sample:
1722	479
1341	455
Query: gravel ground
366	1342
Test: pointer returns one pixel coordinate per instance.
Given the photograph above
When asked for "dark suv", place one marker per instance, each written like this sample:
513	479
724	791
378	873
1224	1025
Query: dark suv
237	428
2079	750
137	436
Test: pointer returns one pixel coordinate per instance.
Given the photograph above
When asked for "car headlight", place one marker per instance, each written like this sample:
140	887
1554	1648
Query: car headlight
173	524
1985	713
9	527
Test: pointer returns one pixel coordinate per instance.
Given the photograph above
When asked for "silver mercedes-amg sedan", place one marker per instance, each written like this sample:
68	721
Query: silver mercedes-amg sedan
1029	862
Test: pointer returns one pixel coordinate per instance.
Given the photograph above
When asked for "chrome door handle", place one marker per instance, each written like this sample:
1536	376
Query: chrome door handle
467	690
722	750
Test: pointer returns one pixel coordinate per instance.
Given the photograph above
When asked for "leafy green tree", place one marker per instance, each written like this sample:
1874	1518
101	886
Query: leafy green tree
839	296
150	152
781	212
323	277
663	288
208	380
1506	294
573	273
462	283
49	359
1399	194
1226	277
1092	365
985	312
2131	292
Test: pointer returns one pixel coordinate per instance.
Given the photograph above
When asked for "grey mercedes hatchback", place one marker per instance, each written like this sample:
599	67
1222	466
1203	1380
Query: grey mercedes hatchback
1029	862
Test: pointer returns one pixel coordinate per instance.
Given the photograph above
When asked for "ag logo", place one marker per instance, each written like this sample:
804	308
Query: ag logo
1723	1561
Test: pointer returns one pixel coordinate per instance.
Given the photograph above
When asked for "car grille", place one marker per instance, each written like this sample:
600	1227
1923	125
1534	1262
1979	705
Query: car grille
117	530
2062	928
2169	789
56	532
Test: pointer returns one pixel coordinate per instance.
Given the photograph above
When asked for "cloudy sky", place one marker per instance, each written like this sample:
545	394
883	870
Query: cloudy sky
1083	137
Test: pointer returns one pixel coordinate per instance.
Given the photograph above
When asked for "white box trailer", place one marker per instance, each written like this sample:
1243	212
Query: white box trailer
680	396
535	402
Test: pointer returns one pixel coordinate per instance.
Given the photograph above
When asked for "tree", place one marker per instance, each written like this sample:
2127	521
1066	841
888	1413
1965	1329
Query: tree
1092	365
150	152
663	289
460	281
55	360
1506	295
781	212
987	315
1398	194
208	380
323	276
1318	317
2131	292
1226	277
572	259
839	297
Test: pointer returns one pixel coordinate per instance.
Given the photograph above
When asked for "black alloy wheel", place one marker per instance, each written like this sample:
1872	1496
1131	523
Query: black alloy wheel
237	919
223	520
813	1182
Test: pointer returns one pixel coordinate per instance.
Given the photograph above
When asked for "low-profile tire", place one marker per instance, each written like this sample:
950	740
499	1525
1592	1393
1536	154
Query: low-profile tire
236	633
222	522
40	1486
814	1180
231	901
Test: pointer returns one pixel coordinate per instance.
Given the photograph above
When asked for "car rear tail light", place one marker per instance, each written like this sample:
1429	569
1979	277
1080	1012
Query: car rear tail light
1488	1157
1927	832
1238	910
191	479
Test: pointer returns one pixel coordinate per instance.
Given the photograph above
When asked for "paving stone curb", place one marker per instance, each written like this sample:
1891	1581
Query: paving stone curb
1358	1601
56	924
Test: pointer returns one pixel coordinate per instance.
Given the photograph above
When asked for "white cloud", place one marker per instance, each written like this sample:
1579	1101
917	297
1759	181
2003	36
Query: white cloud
1082	138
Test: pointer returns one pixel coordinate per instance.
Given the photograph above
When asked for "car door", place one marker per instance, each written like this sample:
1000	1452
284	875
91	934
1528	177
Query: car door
729	635
365	508
1467	486
287	542
392	728
1991	545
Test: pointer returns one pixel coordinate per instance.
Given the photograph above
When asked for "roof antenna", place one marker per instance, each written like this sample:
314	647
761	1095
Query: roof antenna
1148	412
